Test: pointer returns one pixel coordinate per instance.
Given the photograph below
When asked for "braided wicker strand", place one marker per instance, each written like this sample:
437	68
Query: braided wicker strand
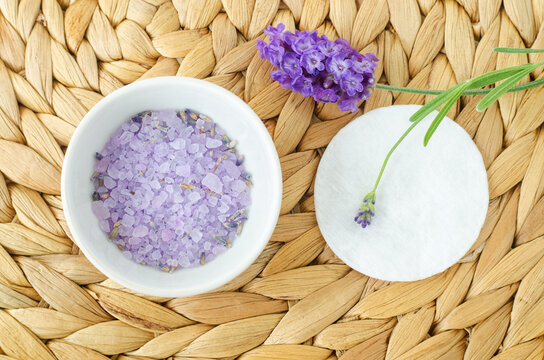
298	300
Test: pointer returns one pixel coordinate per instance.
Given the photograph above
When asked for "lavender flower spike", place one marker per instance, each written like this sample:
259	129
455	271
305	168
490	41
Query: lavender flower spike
329	71
366	211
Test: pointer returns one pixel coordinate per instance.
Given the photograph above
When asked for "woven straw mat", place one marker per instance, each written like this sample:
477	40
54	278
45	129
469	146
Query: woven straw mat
298	301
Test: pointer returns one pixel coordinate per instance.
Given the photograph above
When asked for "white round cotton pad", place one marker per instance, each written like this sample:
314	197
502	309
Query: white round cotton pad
430	205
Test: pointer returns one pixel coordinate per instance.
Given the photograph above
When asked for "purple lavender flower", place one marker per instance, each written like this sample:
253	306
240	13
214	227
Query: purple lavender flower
289	38
338	65
275	33
366	211
303	85
272	51
282	77
326	47
343	45
291	65
352	83
329	71
312	61
326	95
303	43
348	103
328	81
364	64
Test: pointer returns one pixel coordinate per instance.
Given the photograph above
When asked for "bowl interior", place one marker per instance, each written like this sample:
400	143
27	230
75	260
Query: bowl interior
240	123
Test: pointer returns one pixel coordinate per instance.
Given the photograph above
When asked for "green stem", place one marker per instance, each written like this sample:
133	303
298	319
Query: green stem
508	50
522	87
414	124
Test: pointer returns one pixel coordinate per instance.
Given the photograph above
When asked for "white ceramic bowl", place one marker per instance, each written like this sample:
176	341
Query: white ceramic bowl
240	123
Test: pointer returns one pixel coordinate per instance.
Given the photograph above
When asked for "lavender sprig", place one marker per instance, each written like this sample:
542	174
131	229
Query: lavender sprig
367	210
447	99
333	71
312	65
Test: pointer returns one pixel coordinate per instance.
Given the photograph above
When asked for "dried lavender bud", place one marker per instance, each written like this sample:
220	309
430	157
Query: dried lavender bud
246	176
138	118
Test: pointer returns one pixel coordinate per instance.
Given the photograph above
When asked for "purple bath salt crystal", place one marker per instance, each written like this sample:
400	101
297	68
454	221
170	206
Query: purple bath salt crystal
223	208
159	200
213	201
231	169
194	197
128	220
164	167
169	189
238	186
109	203
200	124
178	144
102	165
100	210
167	235
113	172
161	150
196	235
213	143
104	226
203	209
193	148
212	182
109	182
140	231
198	168
126	137
183	170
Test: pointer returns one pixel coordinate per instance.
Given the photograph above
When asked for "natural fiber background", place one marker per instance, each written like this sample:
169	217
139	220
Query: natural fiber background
297	301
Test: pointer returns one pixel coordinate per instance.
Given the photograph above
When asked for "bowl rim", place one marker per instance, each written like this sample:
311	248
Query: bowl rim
223	278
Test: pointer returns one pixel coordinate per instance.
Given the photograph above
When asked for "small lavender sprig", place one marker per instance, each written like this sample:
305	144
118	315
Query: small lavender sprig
447	99
367	210
312	65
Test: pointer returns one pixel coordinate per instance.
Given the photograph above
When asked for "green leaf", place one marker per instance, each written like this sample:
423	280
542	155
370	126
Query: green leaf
471	91
477	82
495	76
442	113
517	50
435	103
504	87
